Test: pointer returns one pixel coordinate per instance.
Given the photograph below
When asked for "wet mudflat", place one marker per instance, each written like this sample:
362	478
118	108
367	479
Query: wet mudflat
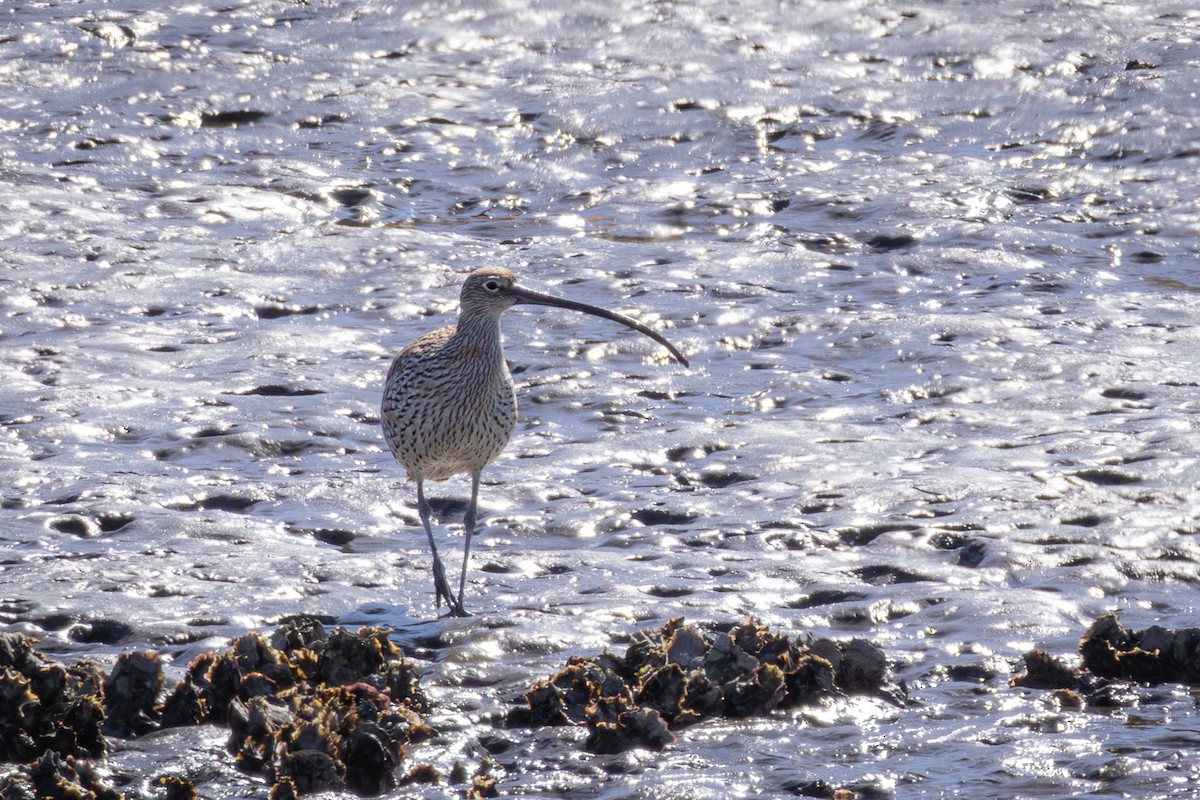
935	269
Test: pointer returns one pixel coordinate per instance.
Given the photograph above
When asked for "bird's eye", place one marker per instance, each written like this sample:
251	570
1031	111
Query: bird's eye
492	286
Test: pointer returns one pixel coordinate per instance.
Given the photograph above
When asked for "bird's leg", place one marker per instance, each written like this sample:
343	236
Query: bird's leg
441	586
469	528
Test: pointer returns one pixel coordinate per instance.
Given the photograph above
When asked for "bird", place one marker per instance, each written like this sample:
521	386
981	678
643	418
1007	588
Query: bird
449	406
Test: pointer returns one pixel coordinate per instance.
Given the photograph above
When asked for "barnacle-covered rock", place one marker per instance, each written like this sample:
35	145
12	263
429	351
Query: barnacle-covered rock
312	710
664	690
678	675
809	680
309	771
616	725
47	707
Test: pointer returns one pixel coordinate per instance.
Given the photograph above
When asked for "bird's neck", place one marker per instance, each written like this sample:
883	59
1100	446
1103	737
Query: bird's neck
479	334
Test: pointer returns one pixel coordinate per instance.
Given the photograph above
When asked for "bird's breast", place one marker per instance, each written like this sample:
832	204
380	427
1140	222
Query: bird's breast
450	415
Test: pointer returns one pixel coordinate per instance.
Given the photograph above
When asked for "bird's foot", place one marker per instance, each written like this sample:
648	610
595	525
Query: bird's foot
443	593
457	610
441	588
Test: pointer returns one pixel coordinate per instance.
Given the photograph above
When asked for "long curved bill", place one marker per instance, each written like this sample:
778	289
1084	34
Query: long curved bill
538	299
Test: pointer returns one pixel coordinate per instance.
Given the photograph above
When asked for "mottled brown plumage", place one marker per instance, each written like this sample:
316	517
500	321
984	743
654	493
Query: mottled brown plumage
448	403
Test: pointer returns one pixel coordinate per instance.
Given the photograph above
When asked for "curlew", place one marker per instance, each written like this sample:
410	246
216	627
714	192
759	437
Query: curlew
448	403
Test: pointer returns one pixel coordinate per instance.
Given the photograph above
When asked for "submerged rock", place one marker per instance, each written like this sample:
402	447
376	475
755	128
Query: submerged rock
678	675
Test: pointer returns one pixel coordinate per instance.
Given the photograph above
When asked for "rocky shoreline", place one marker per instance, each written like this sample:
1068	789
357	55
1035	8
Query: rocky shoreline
313	710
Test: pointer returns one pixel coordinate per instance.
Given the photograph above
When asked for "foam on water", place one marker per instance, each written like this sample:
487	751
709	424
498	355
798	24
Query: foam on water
936	269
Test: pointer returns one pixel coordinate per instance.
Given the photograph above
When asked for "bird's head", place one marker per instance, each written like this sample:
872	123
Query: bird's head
493	290
489	290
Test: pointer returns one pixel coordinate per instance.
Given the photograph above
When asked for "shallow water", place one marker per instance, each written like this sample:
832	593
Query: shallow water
935	267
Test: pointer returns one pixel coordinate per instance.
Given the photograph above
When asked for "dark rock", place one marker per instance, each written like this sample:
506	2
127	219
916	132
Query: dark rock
1107	477
277	390
1111	650
54	777
825	597
887	575
231	119
668	592
369	761
663	690
863	668
1185	651
131	694
885	242
1044	671
971	673
100	631
663	516
719	479
426	774
309	771
755	693
495	744
177	787
76	525
971	555
226	502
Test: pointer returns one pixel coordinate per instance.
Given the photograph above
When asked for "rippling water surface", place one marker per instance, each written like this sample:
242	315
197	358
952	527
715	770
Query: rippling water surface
935	265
